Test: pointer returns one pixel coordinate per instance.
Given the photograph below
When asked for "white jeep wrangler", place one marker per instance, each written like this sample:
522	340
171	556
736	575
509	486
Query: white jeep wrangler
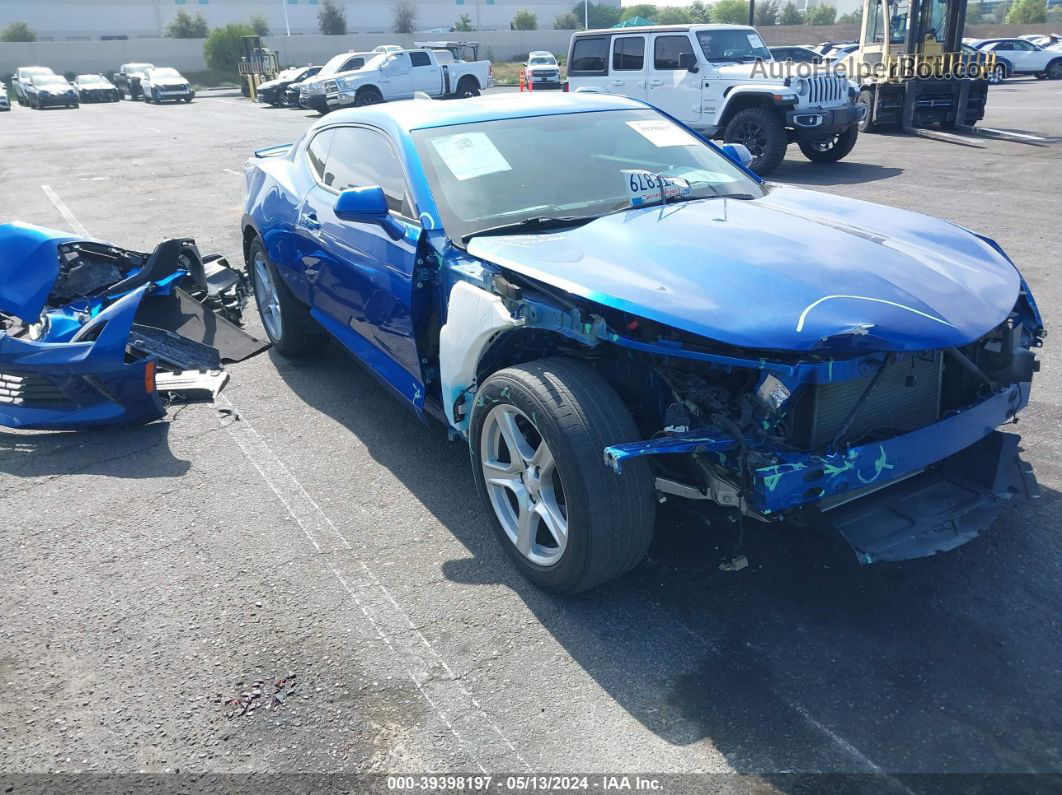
722	81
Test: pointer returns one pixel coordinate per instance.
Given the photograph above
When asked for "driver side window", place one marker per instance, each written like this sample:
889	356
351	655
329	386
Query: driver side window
360	157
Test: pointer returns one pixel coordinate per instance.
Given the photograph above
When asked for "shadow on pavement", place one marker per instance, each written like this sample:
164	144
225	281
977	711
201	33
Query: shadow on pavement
141	452
804	661
847	172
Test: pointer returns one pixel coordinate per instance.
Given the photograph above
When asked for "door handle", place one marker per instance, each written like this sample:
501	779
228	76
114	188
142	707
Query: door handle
656	82
310	221
615	82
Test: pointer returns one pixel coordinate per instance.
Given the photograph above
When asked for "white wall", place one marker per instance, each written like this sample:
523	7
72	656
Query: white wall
187	54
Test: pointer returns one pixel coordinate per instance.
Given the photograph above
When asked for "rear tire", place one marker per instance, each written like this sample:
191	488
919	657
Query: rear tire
832	148
286	319
1054	70
763	133
467	87
567	521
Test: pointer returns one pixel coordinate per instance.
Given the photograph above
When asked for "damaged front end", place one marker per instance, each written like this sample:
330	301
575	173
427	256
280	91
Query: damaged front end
92	334
897	451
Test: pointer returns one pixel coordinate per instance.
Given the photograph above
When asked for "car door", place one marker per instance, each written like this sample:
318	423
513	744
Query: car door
361	280
1033	58
628	73
396	77
670	87
427	76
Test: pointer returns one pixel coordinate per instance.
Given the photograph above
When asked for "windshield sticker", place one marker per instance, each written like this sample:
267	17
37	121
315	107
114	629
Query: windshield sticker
755	41
643	187
470	155
663	133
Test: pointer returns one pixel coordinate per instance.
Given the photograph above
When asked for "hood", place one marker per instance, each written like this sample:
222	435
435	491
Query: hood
795	270
29	266
170	82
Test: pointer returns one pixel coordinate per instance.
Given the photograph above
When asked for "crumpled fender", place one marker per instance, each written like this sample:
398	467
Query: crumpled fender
95	384
29	266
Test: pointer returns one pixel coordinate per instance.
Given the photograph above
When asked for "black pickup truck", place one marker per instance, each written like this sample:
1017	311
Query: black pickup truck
127	79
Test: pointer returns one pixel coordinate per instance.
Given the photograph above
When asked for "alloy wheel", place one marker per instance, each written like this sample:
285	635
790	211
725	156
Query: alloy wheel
265	293
524	485
753	136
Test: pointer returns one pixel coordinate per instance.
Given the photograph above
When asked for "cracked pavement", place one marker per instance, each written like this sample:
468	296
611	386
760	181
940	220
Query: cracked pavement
328	534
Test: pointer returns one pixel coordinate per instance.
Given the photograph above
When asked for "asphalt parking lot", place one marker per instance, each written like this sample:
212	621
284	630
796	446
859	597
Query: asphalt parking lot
151	574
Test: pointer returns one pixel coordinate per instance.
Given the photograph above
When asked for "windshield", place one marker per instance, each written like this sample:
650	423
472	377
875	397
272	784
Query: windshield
138	68
35	70
289	74
50	81
165	73
92	80
733	44
543	61
494	173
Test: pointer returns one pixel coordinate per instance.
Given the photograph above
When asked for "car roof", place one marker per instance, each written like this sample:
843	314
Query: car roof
658	29
417	114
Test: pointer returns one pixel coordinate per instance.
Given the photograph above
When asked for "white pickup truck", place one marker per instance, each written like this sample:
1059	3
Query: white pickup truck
400	75
722	81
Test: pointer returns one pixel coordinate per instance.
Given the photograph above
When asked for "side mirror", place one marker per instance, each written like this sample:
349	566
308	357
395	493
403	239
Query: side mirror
688	61
367	205
739	153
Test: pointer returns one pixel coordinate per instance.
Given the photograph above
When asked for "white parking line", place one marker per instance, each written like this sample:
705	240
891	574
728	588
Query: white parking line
480	736
64	211
231	171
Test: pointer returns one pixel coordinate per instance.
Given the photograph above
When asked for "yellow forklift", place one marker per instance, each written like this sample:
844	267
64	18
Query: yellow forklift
257	65
913	70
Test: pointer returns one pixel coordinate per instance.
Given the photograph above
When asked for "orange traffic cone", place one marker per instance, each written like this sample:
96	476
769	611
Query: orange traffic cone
522	83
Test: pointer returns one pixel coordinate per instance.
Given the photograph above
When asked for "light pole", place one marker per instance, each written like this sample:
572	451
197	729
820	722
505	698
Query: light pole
287	25
586	14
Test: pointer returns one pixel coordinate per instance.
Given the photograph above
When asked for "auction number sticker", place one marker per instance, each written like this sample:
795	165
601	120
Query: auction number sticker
663	133
643	187
469	155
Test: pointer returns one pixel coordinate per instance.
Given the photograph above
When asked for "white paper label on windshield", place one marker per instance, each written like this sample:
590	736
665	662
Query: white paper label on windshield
643	187
470	155
755	40
663	133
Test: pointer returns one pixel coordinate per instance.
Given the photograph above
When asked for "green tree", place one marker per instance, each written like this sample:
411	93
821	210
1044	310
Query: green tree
332	18
17	31
766	13
856	17
464	24
601	15
404	17
1027	12
674	15
700	12
260	24
790	15
647	10
731	12
820	15
525	20
224	46
1054	15
185	26
566	21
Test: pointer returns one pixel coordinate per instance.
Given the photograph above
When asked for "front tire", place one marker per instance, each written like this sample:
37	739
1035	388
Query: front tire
1054	70
831	148
998	74
366	96
537	436
866	96
286	319
763	133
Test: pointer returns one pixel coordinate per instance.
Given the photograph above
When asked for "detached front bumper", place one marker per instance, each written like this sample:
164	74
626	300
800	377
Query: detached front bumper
818	122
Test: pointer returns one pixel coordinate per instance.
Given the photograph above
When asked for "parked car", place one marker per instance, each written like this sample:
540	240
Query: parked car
647	319
1020	57
827	48
722	81
127	78
163	83
21	78
399	75
542	70
1049	41
5	103
311	93
43	91
275	92
796	54
96	88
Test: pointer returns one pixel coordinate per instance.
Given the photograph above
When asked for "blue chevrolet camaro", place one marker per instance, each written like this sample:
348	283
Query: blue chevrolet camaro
612	311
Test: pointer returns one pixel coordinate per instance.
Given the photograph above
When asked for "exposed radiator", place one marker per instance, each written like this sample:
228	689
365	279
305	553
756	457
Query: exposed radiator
905	397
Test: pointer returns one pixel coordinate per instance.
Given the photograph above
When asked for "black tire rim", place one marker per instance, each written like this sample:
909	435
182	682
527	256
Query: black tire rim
999	73
753	136
367	99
